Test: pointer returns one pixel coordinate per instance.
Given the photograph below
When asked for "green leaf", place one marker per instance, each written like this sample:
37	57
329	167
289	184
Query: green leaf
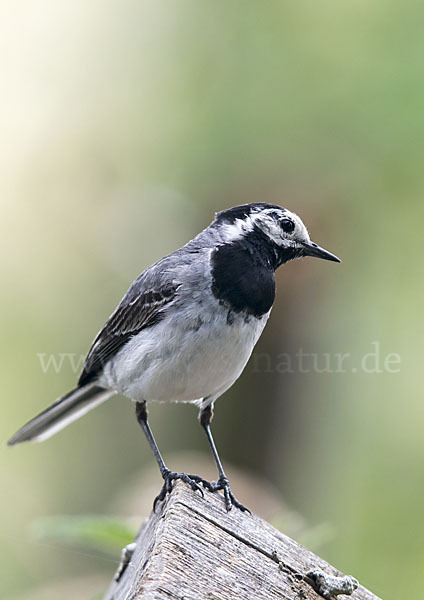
108	534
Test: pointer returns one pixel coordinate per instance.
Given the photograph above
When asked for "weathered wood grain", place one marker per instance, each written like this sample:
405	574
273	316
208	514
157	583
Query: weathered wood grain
192	549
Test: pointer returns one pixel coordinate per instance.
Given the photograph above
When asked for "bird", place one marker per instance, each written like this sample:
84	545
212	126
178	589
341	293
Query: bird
186	327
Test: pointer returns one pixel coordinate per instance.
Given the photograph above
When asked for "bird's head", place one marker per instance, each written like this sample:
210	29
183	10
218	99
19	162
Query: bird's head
282	229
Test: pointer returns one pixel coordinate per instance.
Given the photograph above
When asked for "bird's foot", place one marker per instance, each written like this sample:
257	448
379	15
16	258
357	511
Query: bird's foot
169	477
221	484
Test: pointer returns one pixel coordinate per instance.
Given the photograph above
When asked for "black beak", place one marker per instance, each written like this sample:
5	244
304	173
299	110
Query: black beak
311	249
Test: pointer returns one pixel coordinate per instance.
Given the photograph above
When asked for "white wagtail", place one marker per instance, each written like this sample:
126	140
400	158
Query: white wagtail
186	327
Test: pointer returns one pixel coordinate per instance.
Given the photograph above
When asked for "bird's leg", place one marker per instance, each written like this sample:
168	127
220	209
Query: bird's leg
168	476
205	417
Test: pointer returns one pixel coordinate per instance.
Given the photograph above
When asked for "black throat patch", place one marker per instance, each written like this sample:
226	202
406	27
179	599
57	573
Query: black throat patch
243	273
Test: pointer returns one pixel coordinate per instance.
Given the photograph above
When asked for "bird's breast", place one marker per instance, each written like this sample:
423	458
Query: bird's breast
193	354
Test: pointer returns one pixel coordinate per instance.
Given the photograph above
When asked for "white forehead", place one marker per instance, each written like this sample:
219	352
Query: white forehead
268	220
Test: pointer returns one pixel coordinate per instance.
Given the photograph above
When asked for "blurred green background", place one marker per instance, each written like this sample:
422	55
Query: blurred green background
125	126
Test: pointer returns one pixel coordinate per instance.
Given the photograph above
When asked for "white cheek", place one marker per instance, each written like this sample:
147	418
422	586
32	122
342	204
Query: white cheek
275	233
279	239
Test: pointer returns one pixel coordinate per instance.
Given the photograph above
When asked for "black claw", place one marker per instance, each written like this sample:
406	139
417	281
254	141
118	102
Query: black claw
206	484
194	481
221	484
169	477
159	497
237	504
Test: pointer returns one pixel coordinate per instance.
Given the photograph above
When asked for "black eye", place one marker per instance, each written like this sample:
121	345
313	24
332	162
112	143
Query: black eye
287	225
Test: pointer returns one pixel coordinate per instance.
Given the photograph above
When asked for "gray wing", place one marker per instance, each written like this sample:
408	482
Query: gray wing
141	307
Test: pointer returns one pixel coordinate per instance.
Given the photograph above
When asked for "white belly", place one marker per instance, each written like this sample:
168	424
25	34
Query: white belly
184	359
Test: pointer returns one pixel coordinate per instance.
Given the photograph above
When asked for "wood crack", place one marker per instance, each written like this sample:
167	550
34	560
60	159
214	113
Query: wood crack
271	555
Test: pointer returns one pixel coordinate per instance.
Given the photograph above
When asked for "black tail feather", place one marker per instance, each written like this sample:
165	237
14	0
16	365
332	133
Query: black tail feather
60	414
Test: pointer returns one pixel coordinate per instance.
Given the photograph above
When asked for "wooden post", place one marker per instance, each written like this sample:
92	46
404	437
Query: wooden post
192	549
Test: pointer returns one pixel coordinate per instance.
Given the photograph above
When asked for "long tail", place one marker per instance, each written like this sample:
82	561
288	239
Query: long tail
64	411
